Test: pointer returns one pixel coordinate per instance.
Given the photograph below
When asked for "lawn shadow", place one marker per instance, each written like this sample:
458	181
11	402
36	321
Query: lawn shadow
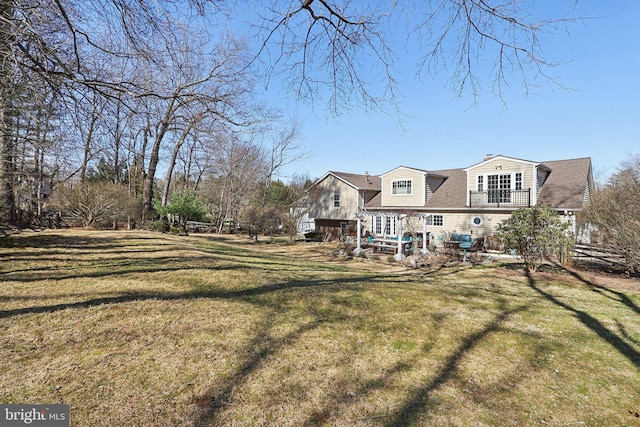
617	342
195	294
257	351
116	267
603	290
420	399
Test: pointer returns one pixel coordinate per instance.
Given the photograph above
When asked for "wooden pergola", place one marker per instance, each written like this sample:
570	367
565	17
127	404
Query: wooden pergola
398	217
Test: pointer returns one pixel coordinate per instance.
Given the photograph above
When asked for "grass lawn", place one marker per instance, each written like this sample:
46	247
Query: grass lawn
144	329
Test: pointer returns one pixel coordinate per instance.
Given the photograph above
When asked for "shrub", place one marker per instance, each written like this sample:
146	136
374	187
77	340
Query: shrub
186	205
159	226
92	203
535	234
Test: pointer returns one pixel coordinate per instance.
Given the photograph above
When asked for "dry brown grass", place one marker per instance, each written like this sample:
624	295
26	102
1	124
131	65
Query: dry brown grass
135	328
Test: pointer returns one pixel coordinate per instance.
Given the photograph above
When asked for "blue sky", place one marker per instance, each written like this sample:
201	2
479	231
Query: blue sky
598	118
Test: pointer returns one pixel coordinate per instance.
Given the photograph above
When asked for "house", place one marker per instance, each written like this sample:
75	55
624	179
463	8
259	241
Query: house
437	203
336	198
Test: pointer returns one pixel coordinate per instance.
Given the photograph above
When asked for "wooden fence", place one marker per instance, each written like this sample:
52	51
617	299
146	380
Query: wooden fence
596	253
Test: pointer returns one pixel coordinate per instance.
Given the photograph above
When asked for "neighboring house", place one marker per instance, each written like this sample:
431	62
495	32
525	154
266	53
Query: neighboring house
472	200
299	211
337	197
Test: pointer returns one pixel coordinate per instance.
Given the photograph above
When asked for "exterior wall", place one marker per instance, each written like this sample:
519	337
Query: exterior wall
349	198
541	178
334	228
432	185
461	223
418	190
499	166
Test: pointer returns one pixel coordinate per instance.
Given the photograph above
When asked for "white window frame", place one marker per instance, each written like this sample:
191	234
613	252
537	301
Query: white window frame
431	220
390	225
407	185
501	194
336	201
377	225
518	181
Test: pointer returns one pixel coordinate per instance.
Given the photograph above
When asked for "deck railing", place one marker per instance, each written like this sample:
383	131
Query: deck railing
500	198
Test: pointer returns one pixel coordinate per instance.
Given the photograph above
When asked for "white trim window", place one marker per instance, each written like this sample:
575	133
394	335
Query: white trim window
336	200
390	225
435	220
402	187
499	188
377	225
518	181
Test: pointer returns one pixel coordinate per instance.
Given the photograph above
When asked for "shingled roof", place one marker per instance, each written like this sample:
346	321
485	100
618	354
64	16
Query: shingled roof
566	184
451	194
453	191
564	187
359	182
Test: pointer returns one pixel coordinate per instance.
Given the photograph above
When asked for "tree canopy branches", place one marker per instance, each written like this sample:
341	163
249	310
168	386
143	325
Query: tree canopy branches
334	45
154	69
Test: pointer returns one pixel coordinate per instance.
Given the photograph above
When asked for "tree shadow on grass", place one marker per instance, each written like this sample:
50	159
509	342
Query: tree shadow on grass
617	342
604	291
420	399
197	294
257	351
116	267
70	241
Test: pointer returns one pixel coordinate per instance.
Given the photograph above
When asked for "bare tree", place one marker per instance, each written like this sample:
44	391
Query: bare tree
325	43
154	60
280	148
614	213
7	65
216	87
304	196
231	185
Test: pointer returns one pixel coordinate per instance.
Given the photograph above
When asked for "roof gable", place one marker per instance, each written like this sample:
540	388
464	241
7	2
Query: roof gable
357	181
422	171
501	158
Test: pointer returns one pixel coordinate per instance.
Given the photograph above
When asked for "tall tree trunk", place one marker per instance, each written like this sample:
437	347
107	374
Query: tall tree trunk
117	140
7	166
87	146
147	193
172	164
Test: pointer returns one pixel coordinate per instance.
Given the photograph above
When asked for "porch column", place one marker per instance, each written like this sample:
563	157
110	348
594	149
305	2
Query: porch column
424	235
399	256
358	250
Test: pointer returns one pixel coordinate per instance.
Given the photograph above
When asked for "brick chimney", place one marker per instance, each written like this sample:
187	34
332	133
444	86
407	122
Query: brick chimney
487	157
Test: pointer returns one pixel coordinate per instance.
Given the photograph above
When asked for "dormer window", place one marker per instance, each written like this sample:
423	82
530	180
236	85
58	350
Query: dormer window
499	187
401	187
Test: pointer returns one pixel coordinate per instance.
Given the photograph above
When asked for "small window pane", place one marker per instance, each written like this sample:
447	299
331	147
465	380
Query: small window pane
435	220
401	187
